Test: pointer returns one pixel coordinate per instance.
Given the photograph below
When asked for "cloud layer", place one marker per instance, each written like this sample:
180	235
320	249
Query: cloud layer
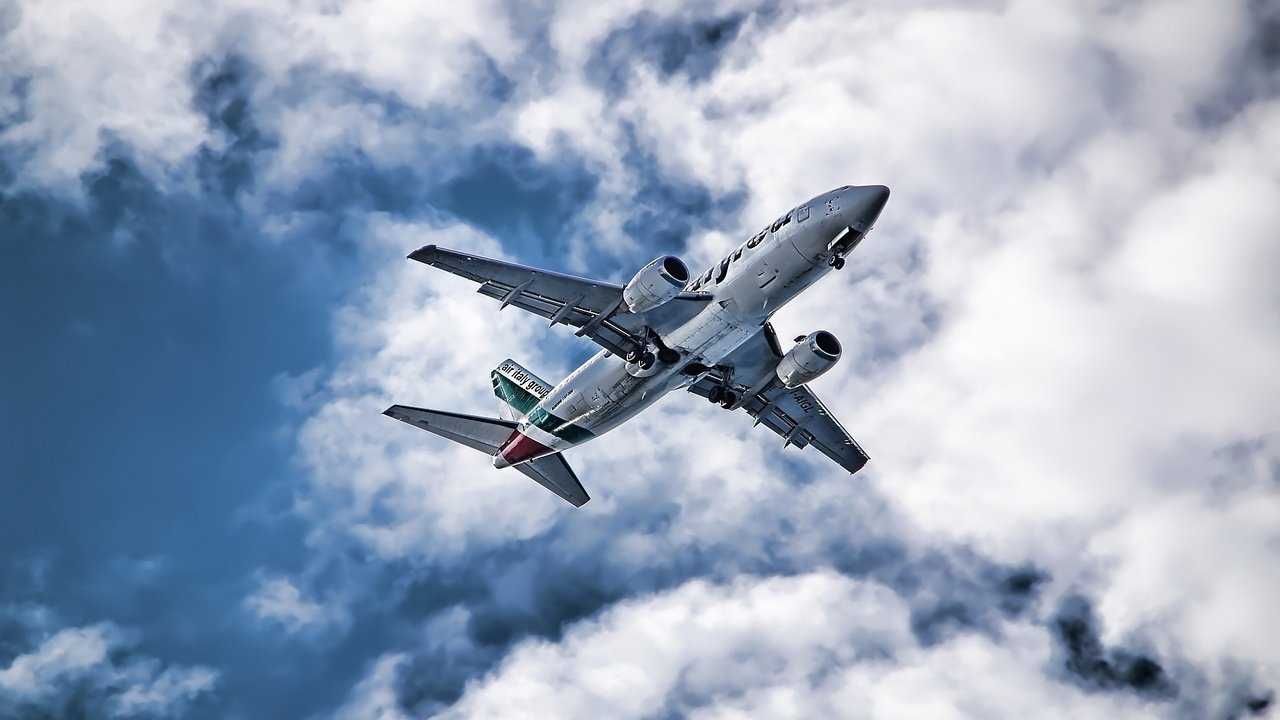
94	671
1060	341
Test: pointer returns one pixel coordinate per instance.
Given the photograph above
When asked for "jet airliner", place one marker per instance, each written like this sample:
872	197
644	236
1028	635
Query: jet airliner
664	331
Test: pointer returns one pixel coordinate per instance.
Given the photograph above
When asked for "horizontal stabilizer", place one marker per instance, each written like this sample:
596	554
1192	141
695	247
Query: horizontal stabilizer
483	434
488	435
554	474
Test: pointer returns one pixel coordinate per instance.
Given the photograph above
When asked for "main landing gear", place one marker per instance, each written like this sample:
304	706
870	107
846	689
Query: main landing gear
723	396
837	262
644	358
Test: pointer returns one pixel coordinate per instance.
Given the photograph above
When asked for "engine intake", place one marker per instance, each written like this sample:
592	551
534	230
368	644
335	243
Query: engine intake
656	283
812	355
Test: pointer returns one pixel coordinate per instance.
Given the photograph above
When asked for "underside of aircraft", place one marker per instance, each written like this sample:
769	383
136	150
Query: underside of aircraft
660	332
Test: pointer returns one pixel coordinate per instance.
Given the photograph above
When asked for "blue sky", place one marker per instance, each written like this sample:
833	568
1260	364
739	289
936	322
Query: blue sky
1058	352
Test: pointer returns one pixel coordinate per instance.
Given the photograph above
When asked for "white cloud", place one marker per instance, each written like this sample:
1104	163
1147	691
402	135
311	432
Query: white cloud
96	71
375	697
816	645
88	74
68	652
96	664
279	600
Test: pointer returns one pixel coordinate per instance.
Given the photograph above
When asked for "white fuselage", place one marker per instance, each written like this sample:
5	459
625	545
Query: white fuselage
748	286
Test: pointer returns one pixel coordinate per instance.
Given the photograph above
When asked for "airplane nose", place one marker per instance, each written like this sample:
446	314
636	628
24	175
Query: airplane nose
877	195
865	203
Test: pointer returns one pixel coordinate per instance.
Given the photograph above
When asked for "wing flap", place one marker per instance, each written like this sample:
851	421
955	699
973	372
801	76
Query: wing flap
592	306
796	414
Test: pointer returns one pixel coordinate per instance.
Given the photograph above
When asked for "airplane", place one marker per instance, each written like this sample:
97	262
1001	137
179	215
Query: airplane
661	332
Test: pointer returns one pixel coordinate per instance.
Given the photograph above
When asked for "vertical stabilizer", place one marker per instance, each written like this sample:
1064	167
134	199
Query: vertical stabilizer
518	388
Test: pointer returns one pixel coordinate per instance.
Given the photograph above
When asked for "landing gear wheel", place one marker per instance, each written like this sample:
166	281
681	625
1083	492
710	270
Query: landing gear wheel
716	395
633	356
729	399
837	262
668	356
646	360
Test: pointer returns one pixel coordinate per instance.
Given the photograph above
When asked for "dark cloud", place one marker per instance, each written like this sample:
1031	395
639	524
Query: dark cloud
1258	704
222	94
691	49
1096	667
527	204
1256	72
666	211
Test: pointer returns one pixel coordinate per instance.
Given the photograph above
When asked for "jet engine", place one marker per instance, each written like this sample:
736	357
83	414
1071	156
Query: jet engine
812	355
656	283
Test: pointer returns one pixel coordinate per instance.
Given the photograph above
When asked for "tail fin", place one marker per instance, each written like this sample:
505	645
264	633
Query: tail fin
488	435
517	387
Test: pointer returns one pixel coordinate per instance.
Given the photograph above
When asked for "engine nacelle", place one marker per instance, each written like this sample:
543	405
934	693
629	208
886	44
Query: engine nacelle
656	283
812	355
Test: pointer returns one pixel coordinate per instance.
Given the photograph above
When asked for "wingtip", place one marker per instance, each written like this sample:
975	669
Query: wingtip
424	250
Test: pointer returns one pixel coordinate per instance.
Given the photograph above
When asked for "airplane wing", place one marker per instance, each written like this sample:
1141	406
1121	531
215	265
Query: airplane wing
594	307
795	414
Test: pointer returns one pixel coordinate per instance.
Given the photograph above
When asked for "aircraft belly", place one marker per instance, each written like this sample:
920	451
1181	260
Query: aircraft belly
595	398
601	394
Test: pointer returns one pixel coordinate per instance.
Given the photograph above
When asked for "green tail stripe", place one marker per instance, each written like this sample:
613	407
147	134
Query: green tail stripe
514	395
562	429
527	404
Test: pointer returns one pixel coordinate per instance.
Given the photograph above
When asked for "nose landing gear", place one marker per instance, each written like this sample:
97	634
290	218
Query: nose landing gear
837	262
